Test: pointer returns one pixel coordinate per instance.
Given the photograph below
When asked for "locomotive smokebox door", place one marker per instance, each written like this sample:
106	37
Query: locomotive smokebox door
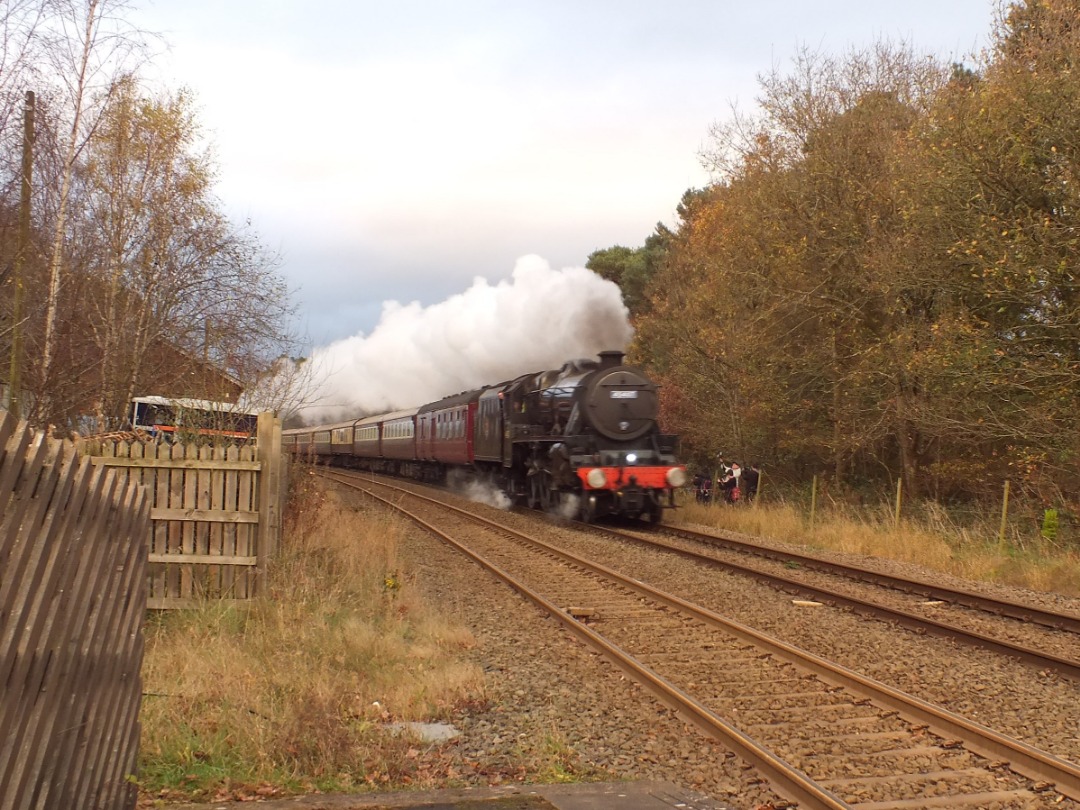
621	403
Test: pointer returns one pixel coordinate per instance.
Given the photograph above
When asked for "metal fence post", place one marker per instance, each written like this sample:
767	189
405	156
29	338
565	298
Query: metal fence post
1004	513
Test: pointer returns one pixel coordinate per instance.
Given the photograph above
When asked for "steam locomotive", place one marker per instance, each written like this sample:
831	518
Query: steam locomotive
582	440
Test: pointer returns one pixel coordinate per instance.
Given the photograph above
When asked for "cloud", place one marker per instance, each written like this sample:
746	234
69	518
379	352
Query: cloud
536	320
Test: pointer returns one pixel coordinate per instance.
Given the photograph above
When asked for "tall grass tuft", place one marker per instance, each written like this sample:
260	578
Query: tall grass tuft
292	692
934	540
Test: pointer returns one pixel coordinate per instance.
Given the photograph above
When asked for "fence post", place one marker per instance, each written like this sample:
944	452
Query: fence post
1004	513
760	487
813	501
899	489
268	452
277	458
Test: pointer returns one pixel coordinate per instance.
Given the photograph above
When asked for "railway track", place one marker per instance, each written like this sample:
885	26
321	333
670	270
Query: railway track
1057	620
1057	624
825	737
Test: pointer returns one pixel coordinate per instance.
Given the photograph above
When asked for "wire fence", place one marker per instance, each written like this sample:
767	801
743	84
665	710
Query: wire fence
1013	518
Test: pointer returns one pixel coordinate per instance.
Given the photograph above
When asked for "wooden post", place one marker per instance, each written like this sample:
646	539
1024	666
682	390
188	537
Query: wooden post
899	490
757	495
813	501
1004	513
268	452
280	488
285	466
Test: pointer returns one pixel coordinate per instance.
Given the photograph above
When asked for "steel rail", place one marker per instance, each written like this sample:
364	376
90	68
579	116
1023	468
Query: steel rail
1014	610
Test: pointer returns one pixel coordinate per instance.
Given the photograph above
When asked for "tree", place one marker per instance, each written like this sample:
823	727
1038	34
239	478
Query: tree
1005	201
791	308
19	24
632	269
167	267
89	47
136	277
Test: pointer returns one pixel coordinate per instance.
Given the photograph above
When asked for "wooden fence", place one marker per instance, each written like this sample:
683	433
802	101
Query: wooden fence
72	603
216	513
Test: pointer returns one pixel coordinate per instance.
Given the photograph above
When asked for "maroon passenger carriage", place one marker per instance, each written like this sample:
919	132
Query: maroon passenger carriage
581	439
444	431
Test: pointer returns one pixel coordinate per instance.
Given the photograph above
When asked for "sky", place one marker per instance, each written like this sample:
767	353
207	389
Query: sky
398	156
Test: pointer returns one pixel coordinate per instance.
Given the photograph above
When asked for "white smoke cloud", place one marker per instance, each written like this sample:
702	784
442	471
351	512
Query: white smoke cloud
537	320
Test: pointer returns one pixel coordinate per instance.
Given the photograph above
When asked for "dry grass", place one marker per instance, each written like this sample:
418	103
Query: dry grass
935	542
293	692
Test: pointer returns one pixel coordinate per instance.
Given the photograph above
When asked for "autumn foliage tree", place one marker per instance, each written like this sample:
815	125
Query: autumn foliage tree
881	283
165	267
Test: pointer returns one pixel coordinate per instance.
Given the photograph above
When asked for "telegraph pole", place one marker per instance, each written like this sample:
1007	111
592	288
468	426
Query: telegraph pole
14	377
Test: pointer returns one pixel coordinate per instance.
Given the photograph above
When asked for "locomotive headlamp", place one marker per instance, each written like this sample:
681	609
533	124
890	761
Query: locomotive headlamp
631	458
596	478
676	476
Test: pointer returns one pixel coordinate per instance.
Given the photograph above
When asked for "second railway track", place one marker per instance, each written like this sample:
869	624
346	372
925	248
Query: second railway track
1025	612
1050	642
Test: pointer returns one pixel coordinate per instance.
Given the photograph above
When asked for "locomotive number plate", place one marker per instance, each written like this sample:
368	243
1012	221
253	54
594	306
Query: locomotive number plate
624	394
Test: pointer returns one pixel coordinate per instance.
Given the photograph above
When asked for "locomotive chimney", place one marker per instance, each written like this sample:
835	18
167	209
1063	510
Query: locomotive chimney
610	359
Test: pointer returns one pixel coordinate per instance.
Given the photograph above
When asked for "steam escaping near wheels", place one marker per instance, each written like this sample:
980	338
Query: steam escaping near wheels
476	490
569	507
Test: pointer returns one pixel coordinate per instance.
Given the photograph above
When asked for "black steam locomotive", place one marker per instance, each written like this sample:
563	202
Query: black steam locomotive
582	440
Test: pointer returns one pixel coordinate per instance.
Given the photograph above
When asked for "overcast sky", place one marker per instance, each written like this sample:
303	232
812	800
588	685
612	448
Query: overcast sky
398	150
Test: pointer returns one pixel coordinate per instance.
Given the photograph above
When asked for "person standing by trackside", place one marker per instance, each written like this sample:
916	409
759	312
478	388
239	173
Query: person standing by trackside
732	490
723	470
750	478
721	476
703	488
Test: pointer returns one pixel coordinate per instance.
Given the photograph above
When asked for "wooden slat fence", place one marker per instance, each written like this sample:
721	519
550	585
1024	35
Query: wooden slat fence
72	604
216	513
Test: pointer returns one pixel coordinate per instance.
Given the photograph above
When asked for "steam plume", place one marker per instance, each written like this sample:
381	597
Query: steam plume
537	320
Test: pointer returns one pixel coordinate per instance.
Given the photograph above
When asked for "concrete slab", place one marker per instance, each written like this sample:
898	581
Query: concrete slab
588	796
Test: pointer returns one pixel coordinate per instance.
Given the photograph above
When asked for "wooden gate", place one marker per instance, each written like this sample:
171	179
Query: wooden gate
215	510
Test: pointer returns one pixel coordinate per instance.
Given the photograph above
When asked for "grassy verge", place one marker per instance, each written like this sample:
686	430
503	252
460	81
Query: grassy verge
938	543
293	692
